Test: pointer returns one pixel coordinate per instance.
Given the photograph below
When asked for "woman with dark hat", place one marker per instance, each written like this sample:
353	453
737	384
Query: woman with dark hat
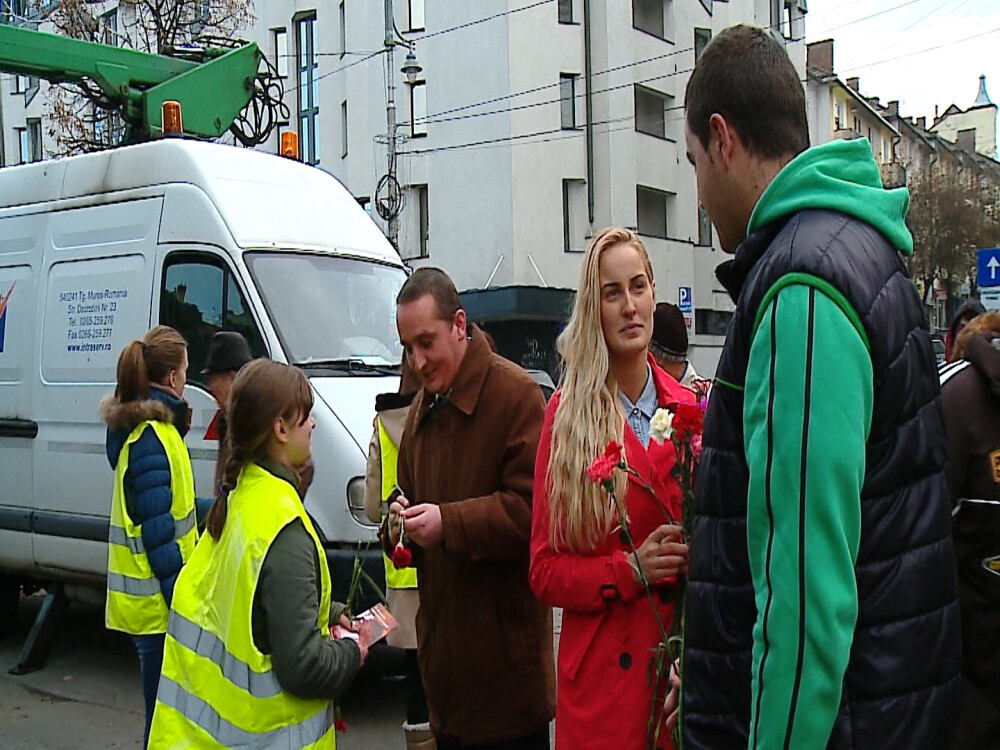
228	351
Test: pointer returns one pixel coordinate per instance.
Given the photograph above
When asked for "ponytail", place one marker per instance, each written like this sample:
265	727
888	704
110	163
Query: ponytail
133	375
216	520
148	361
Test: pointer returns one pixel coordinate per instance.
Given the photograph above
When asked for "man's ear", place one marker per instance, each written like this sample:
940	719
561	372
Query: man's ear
461	324
723	141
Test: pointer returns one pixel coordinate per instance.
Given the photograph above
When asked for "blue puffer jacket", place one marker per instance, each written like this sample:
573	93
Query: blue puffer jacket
148	496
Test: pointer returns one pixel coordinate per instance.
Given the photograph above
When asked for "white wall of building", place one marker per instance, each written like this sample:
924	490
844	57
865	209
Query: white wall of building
495	154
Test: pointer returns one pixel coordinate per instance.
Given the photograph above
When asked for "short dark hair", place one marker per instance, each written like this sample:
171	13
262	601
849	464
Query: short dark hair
745	75
438	284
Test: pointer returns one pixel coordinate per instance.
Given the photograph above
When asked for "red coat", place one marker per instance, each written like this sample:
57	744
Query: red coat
608	627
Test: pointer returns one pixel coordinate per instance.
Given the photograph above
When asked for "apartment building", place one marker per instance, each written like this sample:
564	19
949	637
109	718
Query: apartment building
529	127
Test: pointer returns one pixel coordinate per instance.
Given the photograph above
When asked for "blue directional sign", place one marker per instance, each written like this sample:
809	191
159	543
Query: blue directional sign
684	298
989	267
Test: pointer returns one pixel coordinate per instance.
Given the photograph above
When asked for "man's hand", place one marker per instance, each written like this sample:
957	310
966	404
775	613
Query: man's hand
423	524
396	510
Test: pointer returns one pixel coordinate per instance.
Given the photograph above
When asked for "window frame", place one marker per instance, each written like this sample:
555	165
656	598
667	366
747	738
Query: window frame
566	20
418	130
281	58
257	343
409	16
665	100
344	139
570	79
666	196
664	26
307	78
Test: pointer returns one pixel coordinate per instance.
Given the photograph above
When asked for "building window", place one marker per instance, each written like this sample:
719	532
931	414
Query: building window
838	121
307	65
566	11
574	199
343	129
652	16
30	89
343	28
567	100
109	28
711	322
701	39
704	227
280	41
418	109
420	222
652	207
651	111
416	15
29	141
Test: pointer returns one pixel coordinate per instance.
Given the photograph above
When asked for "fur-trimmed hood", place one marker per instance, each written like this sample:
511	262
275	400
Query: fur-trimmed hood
122	418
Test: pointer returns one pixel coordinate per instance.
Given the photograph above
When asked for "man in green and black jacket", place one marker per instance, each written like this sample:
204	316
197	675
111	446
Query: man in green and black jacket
822	608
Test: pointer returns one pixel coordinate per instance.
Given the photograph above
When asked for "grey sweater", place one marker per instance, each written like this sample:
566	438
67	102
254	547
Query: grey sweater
285	613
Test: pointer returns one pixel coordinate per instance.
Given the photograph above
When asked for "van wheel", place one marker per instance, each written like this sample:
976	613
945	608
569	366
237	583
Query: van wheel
10	599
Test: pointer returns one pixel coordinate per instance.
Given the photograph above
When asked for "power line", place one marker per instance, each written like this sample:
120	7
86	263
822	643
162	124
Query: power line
565	134
478	21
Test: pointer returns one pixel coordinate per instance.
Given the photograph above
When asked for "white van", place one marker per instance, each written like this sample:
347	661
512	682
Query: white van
96	249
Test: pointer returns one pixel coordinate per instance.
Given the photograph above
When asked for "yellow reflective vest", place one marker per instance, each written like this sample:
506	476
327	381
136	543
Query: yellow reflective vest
135	603
394	577
216	688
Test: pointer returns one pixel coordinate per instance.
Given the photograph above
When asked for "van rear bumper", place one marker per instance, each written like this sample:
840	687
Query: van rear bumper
341	562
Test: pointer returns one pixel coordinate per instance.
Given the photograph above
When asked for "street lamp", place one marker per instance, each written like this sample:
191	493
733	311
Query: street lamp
411	68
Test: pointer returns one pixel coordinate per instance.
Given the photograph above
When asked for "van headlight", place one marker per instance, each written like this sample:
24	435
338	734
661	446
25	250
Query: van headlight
356	500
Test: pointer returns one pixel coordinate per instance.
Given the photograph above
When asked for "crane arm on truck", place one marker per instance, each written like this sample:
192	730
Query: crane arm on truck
212	90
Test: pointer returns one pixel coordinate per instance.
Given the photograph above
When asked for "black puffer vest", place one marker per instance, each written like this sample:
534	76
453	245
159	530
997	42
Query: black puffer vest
901	685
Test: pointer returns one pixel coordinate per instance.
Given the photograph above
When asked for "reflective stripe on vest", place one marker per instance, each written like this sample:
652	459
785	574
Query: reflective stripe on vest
394	577
135	602
303	734
217	689
118	536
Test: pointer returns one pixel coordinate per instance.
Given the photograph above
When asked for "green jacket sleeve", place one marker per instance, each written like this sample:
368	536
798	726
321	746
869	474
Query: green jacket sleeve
285	613
807	415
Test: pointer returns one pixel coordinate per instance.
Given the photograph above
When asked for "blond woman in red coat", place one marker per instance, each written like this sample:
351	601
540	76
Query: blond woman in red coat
580	558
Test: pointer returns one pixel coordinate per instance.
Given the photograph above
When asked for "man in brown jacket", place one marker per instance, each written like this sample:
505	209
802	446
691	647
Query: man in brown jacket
466	468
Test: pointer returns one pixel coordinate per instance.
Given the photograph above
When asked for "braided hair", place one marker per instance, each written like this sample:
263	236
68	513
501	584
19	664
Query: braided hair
263	392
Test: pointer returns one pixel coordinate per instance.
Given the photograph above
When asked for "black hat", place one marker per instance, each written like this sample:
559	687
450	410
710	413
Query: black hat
227	350
670	335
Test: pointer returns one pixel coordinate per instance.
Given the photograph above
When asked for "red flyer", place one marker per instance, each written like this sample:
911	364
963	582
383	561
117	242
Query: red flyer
370	626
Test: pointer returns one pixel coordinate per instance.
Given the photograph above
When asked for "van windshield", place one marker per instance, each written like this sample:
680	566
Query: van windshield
330	310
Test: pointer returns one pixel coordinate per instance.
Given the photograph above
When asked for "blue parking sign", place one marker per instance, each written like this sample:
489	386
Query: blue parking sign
684	298
989	267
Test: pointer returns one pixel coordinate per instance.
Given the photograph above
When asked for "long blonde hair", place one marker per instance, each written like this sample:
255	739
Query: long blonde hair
589	414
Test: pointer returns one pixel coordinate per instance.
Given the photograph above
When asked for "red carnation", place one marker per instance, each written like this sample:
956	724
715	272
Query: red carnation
688	419
603	467
401	556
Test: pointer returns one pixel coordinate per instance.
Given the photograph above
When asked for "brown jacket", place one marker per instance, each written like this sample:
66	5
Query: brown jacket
484	640
971	396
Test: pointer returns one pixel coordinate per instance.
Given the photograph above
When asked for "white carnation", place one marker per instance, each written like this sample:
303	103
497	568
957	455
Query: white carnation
661	426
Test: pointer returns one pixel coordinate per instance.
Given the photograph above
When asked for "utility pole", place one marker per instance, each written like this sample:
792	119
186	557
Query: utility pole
388	192
390	113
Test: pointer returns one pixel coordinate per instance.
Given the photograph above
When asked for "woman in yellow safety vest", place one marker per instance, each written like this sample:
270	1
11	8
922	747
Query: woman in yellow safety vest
153	525
400	583
248	660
